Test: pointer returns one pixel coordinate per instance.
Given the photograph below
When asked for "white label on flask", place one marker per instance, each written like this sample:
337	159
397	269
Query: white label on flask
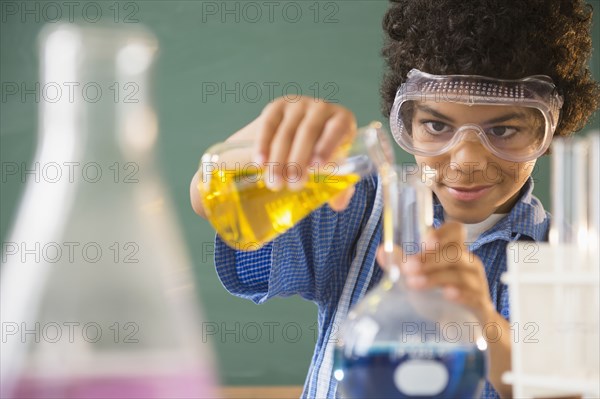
421	377
366	330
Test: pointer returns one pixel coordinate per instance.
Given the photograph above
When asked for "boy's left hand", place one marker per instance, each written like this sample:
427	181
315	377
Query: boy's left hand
445	261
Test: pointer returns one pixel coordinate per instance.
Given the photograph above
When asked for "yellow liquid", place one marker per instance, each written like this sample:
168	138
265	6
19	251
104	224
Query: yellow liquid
247	214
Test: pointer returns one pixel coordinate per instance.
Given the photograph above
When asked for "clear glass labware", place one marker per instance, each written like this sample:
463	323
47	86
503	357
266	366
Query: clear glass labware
96	288
403	343
247	213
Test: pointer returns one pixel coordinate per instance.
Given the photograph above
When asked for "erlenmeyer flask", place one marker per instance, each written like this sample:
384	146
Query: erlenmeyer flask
96	292
247	213
401	343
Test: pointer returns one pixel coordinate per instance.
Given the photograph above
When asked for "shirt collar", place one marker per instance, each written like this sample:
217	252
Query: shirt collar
526	218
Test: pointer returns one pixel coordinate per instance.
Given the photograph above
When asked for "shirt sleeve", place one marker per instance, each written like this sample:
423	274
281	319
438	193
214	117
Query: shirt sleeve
311	259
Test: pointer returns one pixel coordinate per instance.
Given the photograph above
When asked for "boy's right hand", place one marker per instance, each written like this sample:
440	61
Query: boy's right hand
303	133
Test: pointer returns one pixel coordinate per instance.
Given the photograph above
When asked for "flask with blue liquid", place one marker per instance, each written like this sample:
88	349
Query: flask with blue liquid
402	343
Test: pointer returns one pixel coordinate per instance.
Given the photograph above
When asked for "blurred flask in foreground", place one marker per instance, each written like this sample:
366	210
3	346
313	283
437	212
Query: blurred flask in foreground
96	290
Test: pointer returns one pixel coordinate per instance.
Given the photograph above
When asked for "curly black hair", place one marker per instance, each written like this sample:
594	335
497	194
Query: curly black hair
495	38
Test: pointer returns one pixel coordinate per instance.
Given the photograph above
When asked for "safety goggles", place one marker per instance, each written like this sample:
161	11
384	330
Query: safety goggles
516	124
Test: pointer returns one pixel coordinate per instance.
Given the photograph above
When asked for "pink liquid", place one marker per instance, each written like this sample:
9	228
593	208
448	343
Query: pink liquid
192	385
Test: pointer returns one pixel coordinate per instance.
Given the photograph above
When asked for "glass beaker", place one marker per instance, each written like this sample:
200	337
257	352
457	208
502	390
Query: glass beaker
97	294
403	343
247	213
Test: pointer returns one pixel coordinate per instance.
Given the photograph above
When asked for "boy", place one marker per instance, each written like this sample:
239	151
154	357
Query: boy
480	154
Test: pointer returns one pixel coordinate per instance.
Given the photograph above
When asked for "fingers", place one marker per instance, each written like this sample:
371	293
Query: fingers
295	134
462	278
444	245
459	274
440	250
307	134
462	286
195	196
449	233
444	262
282	143
339	129
449	256
267	125
386	259
381	257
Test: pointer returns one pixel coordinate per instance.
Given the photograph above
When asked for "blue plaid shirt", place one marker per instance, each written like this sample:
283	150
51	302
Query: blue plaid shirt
329	258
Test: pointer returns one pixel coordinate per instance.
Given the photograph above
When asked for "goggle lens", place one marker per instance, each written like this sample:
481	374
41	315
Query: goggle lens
511	132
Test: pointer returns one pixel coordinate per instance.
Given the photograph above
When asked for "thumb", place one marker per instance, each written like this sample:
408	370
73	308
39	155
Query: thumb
387	260
341	200
451	231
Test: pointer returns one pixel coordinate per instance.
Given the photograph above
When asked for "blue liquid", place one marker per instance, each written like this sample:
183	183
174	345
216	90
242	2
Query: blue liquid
372	376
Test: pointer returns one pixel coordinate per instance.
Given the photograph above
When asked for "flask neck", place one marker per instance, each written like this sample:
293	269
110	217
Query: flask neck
369	152
103	109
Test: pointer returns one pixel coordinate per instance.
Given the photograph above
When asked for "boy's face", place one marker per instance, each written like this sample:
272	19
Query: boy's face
471	182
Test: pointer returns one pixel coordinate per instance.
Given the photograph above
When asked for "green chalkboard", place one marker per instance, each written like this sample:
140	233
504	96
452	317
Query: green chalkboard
220	63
